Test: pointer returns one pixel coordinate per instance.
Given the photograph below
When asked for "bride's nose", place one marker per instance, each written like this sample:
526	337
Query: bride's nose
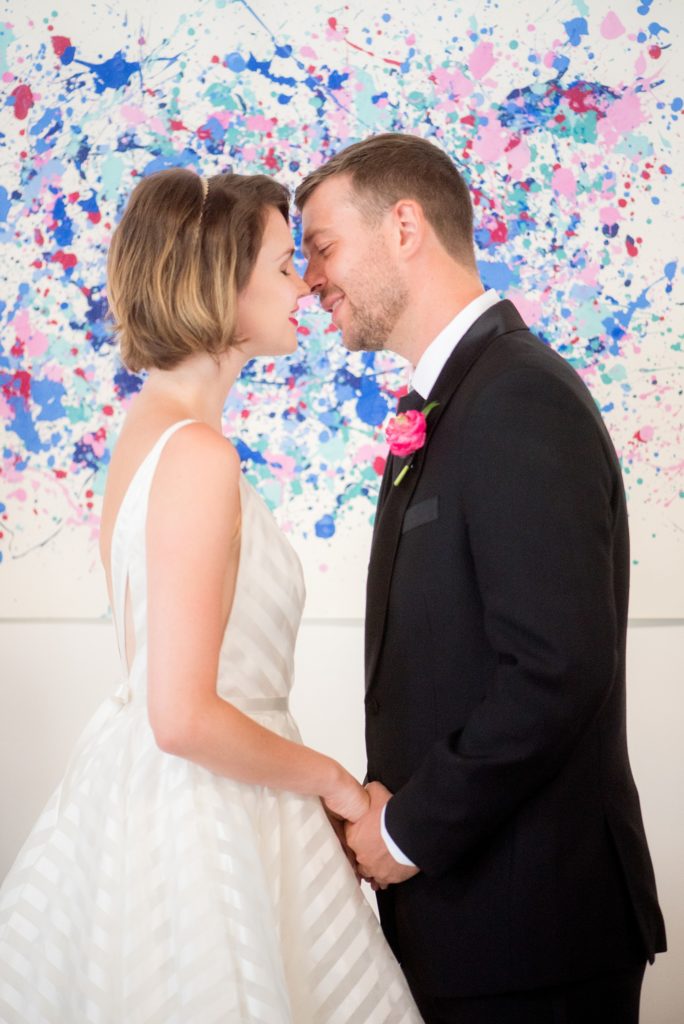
302	288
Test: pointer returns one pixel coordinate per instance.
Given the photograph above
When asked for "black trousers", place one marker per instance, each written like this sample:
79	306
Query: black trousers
607	999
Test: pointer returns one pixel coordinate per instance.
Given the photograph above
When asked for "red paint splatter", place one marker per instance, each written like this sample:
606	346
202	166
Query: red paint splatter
23	101
654	52
631	247
67	259
271	160
499	233
19	385
107	410
581	100
379	465
60	44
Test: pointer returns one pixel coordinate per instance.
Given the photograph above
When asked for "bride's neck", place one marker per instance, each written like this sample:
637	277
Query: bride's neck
198	387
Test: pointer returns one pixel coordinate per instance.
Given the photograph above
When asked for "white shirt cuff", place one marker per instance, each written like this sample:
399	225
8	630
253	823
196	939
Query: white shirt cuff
394	850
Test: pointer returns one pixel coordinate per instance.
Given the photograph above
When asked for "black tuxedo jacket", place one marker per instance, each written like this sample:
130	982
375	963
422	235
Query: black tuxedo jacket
495	705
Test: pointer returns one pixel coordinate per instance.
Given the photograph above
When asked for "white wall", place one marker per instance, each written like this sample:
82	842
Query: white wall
55	673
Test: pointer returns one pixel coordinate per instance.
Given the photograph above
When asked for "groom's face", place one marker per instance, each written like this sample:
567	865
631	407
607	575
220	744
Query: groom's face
351	266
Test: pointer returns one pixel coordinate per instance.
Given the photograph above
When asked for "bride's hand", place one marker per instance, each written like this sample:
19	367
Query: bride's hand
347	799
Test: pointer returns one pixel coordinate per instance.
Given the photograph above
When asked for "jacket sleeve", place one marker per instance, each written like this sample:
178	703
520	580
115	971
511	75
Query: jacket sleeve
540	487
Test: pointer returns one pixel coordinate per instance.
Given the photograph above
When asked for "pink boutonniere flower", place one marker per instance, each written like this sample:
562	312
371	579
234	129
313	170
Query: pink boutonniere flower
406	434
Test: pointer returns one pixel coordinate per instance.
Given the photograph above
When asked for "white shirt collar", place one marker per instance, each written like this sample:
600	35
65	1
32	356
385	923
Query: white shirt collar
432	361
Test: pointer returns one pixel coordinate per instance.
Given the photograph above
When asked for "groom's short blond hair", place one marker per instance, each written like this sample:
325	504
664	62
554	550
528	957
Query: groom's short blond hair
386	168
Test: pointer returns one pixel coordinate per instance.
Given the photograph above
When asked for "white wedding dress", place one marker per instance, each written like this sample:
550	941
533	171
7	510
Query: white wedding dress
152	891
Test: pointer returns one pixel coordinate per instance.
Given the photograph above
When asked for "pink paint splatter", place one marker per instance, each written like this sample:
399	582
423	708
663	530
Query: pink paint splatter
611	26
36	342
623	116
530	309
481	60
491	141
518	156
452	81
609	215
563	182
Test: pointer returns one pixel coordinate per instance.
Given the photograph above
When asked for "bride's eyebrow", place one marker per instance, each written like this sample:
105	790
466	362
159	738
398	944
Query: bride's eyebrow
288	253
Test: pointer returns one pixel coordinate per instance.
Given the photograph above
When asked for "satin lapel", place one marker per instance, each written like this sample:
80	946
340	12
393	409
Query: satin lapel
495	322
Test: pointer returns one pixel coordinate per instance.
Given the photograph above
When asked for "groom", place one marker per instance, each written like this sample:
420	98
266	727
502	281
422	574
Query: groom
504	821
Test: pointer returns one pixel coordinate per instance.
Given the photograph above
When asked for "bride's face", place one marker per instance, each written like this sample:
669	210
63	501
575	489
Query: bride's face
267	305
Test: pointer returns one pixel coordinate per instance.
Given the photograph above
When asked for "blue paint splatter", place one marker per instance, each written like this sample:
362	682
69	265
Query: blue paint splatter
576	28
325	527
114	73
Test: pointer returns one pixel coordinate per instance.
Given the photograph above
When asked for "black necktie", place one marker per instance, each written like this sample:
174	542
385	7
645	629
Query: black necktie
413	400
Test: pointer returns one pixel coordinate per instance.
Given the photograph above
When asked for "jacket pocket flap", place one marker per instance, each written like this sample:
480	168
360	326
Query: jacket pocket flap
420	513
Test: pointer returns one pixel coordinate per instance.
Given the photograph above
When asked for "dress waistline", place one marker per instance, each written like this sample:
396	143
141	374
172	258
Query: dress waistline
250	705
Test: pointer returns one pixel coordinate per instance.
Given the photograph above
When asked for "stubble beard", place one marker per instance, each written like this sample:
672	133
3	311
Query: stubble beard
376	311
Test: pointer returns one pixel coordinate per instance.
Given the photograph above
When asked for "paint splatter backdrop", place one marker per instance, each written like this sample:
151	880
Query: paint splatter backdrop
563	117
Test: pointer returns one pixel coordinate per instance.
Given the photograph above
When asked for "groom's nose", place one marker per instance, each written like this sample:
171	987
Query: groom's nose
314	276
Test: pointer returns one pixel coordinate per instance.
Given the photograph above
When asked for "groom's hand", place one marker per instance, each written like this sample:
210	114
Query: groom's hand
365	838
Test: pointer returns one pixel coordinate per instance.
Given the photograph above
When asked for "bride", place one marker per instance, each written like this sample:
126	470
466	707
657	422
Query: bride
186	869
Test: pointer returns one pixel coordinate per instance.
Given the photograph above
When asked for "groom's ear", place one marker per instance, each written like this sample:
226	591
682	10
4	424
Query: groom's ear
409	224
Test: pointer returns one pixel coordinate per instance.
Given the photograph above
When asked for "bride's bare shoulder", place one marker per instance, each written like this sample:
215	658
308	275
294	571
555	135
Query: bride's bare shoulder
196	461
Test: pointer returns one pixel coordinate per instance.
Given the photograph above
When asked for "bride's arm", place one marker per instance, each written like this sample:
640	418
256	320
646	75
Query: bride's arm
193	549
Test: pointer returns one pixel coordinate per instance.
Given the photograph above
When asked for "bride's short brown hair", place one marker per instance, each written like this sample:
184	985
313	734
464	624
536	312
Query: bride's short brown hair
182	252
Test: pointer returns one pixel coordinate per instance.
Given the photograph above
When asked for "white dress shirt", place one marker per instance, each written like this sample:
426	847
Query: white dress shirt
423	379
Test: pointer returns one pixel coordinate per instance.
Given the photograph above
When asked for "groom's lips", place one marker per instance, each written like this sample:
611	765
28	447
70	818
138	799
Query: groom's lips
331	307
330	301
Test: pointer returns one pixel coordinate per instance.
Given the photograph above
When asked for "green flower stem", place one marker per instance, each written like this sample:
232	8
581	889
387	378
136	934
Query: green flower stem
402	474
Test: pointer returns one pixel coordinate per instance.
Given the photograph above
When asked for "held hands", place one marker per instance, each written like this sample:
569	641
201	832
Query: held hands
364	837
346	801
